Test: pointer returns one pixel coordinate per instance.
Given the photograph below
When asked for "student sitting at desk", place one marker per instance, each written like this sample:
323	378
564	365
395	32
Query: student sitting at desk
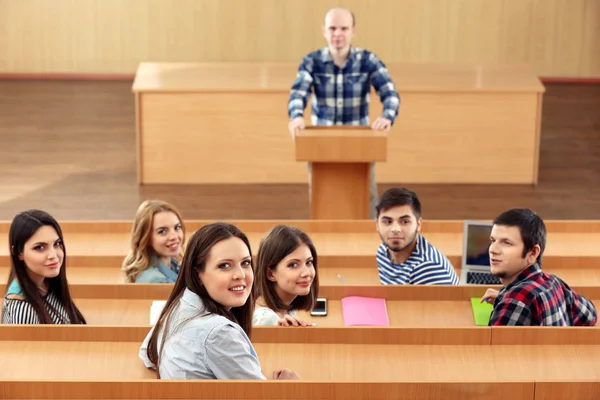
286	277
37	290
404	256
204	330
156	244
529	296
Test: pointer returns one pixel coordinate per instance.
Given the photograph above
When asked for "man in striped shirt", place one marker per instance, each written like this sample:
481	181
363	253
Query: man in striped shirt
406	257
341	77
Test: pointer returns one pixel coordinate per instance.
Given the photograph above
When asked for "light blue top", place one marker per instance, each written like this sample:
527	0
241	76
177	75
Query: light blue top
202	345
159	272
14	288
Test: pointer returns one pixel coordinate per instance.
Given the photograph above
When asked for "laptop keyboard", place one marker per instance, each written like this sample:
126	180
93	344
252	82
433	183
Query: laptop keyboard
482	278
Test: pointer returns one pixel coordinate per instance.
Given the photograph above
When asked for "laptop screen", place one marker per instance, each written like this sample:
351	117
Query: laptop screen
477	244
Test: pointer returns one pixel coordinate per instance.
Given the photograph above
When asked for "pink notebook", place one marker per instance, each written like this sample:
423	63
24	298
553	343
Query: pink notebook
364	311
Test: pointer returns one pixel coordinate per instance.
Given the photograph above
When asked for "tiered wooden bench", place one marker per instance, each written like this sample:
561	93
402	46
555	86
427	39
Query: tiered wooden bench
532	366
431	350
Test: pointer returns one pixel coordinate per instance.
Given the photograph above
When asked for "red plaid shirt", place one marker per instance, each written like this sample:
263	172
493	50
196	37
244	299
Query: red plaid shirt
540	299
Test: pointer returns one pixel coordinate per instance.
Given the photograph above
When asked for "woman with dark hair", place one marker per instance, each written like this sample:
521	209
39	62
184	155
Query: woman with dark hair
37	289
204	330
287	279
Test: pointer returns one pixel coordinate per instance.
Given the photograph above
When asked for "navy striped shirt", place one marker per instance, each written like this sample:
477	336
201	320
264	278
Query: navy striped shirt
20	312
425	266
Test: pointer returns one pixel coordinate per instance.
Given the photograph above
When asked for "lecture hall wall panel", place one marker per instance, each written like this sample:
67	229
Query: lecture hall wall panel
560	38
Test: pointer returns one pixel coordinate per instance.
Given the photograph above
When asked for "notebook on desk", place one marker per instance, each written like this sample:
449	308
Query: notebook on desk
481	311
155	310
364	311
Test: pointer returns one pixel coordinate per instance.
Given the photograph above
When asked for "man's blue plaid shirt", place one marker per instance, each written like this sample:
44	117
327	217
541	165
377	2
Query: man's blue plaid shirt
341	95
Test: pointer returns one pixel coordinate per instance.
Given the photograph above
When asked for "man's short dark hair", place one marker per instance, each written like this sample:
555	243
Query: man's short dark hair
531	226
396	197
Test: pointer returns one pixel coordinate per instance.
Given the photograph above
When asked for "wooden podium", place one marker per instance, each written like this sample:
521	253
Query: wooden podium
341	160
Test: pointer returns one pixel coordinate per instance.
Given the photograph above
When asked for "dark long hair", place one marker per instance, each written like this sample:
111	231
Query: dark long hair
276	245
194	262
24	225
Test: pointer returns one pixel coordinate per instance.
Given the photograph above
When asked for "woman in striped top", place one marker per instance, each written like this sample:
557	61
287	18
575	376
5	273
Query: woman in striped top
37	291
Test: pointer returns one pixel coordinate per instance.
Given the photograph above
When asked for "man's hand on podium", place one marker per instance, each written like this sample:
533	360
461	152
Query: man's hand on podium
296	125
381	124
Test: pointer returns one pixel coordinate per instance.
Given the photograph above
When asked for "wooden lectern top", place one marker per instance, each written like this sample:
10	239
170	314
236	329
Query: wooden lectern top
341	145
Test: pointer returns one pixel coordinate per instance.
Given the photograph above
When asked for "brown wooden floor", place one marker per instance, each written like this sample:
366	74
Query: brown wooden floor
69	148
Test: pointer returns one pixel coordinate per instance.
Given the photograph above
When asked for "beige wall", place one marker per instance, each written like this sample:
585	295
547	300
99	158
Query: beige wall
558	37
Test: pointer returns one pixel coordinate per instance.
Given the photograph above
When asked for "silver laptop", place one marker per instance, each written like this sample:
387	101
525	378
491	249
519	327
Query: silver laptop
475	268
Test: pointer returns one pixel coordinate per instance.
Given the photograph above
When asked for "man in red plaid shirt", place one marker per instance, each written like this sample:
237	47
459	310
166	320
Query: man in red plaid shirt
530	296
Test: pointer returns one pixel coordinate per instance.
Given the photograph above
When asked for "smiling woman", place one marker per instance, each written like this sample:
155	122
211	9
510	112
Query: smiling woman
156	244
204	330
287	277
37	289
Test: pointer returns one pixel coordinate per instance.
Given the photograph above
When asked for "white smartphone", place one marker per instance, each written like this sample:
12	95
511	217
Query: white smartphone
320	308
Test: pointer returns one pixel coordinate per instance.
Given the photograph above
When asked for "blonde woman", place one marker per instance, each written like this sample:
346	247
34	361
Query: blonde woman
156	244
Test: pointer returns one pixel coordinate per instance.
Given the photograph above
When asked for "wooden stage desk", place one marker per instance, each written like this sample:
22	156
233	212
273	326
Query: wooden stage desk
227	123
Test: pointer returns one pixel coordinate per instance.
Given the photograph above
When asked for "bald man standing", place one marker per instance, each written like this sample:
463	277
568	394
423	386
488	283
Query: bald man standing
341	77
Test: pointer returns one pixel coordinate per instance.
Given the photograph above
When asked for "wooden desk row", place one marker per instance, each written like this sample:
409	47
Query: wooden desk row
371	335
335	292
519	389
329	275
336	241
297	390
409	307
351	264
310	226
100	370
349	249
